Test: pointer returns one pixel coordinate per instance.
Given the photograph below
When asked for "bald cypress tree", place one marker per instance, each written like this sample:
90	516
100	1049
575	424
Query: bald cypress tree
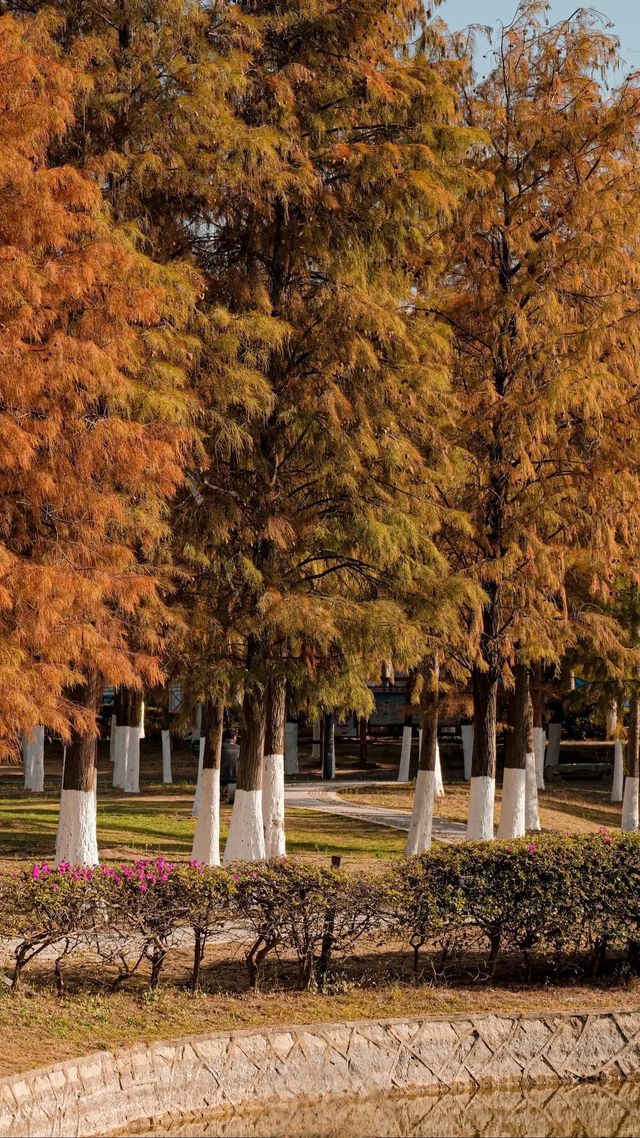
540	300
325	507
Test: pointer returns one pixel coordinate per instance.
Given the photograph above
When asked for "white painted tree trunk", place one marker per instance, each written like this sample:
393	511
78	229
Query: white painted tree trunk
405	753
540	747
467	730
77	841
315	740
112	739
617	786
439	784
142	734
132	777
120	756
420	828
245	841
37	760
532	814
166	757
611	720
482	793
512	812
206	840
273	805
291	748
630	804
196	800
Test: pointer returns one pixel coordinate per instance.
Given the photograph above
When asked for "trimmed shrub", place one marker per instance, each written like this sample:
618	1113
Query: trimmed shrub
309	910
561	899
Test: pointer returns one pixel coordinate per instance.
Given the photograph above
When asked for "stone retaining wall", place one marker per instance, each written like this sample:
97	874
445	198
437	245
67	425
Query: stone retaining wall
110	1091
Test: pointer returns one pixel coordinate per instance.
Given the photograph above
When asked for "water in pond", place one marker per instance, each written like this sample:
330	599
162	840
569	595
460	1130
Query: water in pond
590	1110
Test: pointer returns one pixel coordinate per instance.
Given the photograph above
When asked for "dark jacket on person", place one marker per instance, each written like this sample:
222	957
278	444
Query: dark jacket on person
229	761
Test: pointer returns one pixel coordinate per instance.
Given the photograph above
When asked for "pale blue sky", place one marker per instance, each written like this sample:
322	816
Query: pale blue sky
624	14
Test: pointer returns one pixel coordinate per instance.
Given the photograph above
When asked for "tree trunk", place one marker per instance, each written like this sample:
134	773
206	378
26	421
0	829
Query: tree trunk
77	841
206	839
420	829
483	763
121	740
617	786
315	740
291	747
407	732
632	781
611	720
328	746
245	841
467	732
512	812
33	757
273	769
195	809
363	724
133	715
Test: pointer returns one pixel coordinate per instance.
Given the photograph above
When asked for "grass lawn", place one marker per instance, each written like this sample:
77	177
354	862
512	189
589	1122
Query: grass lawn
571	807
159	821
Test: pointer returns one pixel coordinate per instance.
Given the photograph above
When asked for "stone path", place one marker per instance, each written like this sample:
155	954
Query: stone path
324	797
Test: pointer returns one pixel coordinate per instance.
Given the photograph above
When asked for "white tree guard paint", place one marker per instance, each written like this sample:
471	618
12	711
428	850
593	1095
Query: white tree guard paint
112	739
532	811
291	748
166	756
26	761
539	747
132	777
420	828
438	773
120	756
142	734
245	841
512	812
196	798
273	805
618	772
37	760
482	793
467	730
405	754
630	818
206	840
315	740
77	841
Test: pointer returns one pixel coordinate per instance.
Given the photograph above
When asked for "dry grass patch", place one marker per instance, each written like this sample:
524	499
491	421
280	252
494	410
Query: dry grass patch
578	807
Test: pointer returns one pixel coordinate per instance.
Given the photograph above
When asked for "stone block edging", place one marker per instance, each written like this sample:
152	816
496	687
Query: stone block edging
109	1091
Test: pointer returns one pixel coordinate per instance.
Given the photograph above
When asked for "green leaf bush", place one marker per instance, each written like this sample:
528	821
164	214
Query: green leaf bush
558	900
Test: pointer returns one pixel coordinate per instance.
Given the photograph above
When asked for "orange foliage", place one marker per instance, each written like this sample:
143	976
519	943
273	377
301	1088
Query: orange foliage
92	410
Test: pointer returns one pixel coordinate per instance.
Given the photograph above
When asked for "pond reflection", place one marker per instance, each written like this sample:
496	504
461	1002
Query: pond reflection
590	1110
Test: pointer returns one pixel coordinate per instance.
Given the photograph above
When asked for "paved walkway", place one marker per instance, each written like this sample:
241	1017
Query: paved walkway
325	797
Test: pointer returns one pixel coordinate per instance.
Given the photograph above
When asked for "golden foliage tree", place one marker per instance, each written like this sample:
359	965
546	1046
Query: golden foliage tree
91	407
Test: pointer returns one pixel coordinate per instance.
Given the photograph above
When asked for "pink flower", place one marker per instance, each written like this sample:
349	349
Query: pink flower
532	848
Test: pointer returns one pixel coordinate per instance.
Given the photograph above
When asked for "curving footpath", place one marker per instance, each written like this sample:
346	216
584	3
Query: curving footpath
324	797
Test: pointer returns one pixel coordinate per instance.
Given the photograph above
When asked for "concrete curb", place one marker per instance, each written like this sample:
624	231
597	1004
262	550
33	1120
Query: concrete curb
110	1091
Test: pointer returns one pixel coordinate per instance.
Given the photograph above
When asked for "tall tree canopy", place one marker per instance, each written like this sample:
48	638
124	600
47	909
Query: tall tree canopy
91	405
542	301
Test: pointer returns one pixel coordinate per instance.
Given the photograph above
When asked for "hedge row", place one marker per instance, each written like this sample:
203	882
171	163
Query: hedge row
559	897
